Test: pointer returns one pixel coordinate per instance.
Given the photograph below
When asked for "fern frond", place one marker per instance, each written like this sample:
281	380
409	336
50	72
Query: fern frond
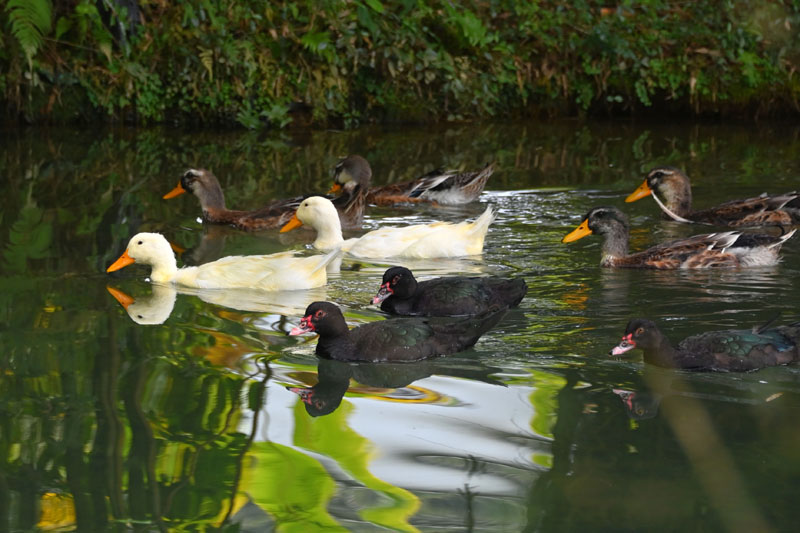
30	20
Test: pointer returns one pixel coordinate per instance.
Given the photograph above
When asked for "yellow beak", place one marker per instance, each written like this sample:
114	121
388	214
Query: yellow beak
639	193
578	233
123	261
336	188
177	191
123	299
293	223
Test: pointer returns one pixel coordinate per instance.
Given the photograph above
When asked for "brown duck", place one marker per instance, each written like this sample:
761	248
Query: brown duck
441	187
726	249
672	191
205	185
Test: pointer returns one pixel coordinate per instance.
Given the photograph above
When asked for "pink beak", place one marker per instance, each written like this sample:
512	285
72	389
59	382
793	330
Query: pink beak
304	327
627	344
383	293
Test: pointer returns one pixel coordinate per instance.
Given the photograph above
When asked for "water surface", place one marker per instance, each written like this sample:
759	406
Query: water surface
176	415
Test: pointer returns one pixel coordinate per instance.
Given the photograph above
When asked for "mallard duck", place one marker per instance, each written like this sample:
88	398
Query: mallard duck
671	186
726	351
439	239
728	249
275	272
401	294
398	339
205	185
441	187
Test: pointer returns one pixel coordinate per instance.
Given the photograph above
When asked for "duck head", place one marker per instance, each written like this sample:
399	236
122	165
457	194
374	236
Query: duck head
203	184
320	214
639	333
350	172
323	318
397	281
670	184
149	249
602	220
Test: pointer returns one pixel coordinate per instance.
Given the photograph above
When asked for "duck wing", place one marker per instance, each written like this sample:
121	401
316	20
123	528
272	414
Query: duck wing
465	296
739	350
699	251
444	187
411	339
274	272
763	210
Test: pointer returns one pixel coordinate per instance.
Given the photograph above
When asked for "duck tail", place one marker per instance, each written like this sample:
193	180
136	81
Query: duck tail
481	224
482	176
783	238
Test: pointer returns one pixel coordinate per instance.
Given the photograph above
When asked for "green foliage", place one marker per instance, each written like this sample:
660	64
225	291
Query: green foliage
30	22
347	62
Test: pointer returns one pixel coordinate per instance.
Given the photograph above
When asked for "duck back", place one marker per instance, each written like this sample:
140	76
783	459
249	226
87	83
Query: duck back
409	339
457	296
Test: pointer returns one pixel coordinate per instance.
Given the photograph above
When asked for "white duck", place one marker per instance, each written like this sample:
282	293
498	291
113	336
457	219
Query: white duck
422	241
275	272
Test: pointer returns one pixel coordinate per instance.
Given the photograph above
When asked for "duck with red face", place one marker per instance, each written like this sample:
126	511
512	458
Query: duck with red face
402	339
720	351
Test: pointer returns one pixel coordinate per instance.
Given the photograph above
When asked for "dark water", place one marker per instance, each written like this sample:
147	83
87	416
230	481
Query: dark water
178	417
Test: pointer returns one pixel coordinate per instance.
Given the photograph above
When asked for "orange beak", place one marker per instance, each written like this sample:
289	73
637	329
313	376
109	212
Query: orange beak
123	261
578	233
123	299
176	248
336	188
638	194
293	223
177	191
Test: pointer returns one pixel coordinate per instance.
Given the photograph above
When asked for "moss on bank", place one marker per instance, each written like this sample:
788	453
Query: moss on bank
346	62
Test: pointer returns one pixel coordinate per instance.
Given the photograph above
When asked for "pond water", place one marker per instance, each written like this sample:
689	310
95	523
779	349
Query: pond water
178	416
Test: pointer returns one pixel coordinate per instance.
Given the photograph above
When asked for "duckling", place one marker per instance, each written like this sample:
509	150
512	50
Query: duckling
441	187
671	185
205	185
439	239
728	249
275	272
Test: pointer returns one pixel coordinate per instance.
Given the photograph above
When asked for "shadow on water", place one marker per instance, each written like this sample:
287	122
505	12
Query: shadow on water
172	411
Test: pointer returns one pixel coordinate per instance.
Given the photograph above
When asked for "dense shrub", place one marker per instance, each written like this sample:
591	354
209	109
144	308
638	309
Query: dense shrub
345	62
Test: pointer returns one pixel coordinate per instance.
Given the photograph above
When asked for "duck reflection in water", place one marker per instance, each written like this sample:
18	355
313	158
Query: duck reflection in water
334	381
157	307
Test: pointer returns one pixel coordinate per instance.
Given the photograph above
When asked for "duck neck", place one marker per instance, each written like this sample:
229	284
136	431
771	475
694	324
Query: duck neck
662	354
329	234
615	244
677	197
164	270
335	341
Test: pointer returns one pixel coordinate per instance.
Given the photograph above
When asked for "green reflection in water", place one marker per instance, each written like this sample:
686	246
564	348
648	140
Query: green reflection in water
331	435
108	424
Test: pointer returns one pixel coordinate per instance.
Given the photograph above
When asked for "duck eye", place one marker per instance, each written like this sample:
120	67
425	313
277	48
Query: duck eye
140	242
319	314
639	331
395	280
